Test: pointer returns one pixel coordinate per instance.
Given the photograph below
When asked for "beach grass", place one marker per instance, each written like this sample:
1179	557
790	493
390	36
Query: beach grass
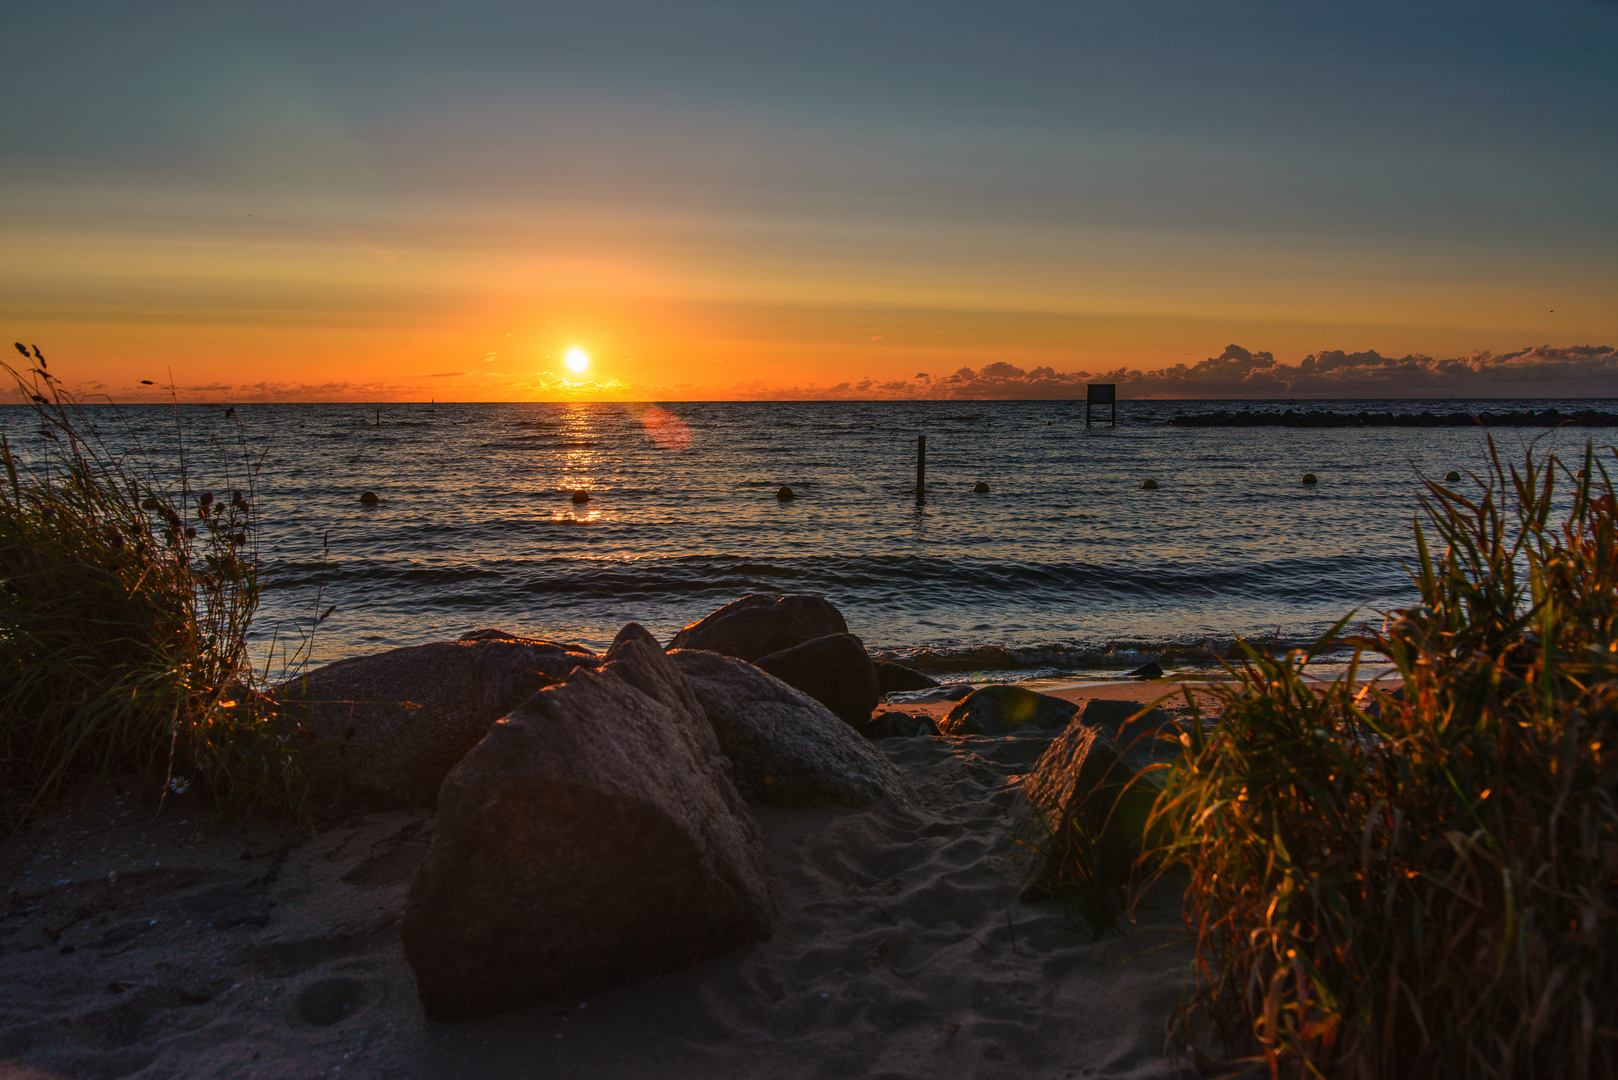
1423	883
125	598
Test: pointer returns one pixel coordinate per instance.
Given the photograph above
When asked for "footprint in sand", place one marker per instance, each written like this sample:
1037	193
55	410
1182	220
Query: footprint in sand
329	1001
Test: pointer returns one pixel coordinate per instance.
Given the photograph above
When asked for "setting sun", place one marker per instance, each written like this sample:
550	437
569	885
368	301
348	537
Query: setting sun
577	360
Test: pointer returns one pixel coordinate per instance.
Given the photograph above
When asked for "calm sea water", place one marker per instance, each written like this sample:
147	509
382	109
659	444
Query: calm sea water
1066	562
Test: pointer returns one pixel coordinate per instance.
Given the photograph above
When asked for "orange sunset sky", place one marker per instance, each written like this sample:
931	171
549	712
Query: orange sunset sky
385	202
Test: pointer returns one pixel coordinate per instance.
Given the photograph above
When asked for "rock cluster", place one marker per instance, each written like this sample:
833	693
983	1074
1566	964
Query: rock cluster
593	822
593	837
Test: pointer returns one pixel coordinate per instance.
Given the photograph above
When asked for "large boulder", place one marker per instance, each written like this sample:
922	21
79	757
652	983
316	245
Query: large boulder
592	838
785	748
1007	710
762	623
390	726
834	670
1084	809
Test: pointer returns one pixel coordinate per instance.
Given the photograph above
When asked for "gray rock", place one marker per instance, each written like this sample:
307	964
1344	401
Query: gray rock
1137	732
1084	807
592	838
1007	710
785	748
896	678
834	670
388	727
1148	670
898	725
760	624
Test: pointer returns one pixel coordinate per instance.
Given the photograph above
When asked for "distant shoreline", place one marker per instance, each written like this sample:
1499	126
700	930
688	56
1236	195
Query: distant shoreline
1320	418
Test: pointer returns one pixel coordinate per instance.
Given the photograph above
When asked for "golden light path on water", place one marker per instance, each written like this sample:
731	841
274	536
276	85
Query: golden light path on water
581	461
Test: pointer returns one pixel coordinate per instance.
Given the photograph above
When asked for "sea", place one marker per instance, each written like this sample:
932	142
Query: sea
1065	568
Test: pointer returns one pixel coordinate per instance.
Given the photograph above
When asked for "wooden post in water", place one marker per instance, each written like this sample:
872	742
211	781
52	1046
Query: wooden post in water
921	466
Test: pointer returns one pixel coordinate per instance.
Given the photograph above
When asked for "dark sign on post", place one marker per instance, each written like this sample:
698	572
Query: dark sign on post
1105	393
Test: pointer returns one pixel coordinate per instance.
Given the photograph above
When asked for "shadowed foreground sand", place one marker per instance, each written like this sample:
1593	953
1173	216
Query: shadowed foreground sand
901	950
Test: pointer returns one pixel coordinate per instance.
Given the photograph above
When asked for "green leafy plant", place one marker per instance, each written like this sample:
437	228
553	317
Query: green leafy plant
1422	883
125	600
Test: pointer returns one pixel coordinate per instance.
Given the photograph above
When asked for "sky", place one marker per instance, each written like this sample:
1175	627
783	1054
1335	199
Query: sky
812	199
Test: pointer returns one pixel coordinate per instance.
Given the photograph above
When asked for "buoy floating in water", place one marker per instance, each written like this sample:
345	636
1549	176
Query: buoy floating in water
580	497
1150	485
369	498
1452	477
1310	478
981	488
785	494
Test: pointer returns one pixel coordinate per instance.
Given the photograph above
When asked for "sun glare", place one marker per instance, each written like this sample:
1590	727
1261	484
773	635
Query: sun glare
577	360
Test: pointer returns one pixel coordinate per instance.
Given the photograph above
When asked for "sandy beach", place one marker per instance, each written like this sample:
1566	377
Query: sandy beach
171	946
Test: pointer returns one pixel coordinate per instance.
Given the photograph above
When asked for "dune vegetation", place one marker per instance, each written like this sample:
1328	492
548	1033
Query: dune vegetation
1422	883
126	594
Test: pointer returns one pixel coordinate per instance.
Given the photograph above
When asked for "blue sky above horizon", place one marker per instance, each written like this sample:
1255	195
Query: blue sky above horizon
727	199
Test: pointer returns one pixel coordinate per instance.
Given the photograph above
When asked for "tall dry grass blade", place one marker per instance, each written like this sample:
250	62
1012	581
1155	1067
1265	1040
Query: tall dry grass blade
125	600
1424	883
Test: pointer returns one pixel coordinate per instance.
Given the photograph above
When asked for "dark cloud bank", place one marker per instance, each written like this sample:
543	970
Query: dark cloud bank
1541	371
